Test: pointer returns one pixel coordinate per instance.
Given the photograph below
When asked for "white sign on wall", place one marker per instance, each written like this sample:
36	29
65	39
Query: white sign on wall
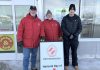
51	56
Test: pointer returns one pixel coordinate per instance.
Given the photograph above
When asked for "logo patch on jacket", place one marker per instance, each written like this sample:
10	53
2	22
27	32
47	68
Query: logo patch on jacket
38	24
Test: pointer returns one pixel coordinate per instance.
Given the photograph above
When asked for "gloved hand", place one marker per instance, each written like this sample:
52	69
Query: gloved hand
71	37
20	44
60	38
42	39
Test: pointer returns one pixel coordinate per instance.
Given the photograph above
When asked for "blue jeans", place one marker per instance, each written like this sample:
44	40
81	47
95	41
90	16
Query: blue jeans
26	54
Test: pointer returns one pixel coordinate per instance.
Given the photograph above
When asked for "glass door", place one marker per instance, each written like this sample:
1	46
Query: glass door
11	12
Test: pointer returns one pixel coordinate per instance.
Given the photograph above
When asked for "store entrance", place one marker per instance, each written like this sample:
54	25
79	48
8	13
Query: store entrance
11	12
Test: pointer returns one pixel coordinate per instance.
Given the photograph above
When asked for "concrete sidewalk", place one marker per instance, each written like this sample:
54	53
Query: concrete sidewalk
84	64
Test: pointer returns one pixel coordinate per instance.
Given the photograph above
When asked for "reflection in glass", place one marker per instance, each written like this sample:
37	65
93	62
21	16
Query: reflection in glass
6	23
58	6
97	20
21	11
90	18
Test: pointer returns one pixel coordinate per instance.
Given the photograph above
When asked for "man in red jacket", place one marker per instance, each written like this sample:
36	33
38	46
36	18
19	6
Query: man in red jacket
51	30
28	36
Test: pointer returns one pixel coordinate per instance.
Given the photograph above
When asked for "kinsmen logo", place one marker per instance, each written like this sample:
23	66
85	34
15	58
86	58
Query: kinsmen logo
6	42
52	51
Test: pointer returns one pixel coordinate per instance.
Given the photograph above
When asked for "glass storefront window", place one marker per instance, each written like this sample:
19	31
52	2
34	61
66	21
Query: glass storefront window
6	23
89	13
59	8
97	20
20	11
90	18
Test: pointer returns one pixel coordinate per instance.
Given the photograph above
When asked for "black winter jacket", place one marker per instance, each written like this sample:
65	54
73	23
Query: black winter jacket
71	25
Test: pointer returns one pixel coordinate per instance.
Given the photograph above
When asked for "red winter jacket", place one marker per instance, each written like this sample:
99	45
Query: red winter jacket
51	30
29	31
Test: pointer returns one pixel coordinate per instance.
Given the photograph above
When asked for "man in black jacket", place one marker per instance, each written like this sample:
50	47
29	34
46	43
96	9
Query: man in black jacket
71	27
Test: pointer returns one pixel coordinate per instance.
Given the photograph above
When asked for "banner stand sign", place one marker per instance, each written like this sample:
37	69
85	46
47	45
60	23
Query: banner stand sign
51	56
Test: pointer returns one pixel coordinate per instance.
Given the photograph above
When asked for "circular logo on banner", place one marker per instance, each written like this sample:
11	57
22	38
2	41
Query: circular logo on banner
6	42
52	50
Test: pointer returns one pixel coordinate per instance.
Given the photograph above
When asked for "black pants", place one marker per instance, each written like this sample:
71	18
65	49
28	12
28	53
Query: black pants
73	44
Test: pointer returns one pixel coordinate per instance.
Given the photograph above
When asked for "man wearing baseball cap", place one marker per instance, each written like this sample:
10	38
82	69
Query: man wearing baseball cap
28	36
71	27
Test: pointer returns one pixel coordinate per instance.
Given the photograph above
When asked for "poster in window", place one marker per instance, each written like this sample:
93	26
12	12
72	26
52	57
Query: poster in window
7	43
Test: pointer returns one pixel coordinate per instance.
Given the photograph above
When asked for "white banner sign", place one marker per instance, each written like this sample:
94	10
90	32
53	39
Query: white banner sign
51	56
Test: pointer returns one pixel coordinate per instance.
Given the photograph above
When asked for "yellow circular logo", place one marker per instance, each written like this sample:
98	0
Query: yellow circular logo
6	42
